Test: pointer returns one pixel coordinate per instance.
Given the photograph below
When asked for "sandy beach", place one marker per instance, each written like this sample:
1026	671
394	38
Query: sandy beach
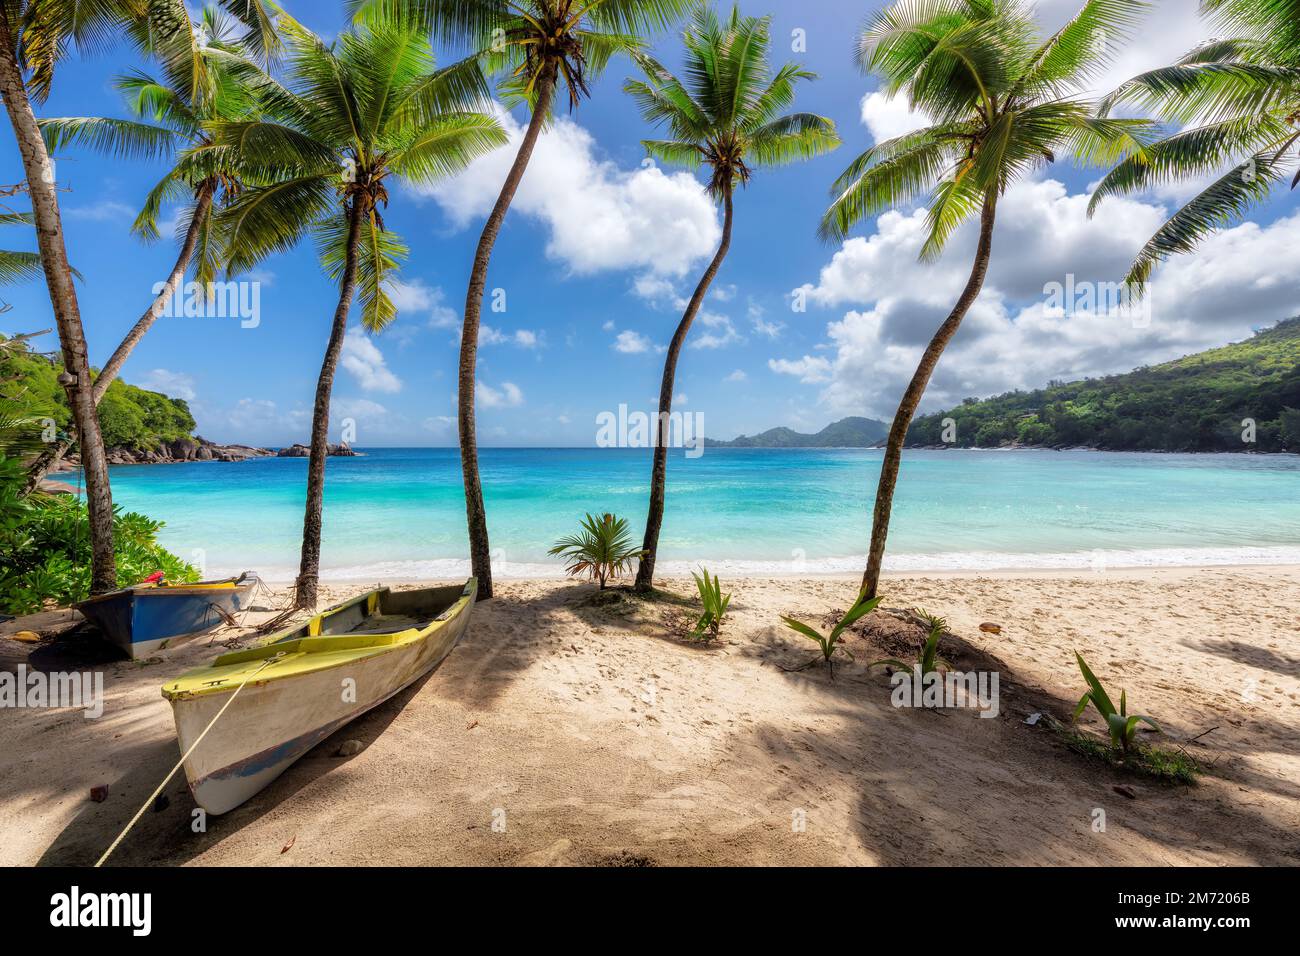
568	729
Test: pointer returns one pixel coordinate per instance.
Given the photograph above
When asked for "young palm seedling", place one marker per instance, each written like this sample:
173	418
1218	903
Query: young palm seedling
929	660
831	644
1122	727
602	549
714	602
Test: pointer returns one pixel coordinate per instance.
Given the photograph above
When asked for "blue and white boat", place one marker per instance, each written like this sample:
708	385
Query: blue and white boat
151	616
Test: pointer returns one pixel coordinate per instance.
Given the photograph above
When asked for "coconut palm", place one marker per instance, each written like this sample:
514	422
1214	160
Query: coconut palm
17	265
202	80
350	116
727	115
1002	103
1238	100
34	35
541	44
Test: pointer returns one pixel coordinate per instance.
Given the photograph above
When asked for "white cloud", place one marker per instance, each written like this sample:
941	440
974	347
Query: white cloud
106	210
737	376
363	360
174	384
718	332
524	338
631	343
417	296
886	117
1010	339
809	369
507	396
600	216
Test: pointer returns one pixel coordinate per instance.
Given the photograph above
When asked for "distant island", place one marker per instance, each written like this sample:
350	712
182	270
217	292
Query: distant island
850	432
1212	401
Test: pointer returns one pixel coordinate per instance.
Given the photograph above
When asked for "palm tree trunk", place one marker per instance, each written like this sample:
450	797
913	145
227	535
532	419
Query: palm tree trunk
912	398
48	459
654	520
309	566
67	314
480	554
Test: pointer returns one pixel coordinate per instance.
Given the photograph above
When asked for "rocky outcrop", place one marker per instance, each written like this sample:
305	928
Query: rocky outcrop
183	449
341	450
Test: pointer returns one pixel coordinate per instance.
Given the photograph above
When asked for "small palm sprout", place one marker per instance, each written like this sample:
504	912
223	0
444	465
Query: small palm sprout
602	549
830	644
1122	727
929	660
714	601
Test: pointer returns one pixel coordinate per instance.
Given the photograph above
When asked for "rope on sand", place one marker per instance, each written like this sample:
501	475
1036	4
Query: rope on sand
180	763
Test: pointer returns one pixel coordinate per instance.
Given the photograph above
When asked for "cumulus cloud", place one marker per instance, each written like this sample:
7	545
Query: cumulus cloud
886	117
508	395
174	384
365	363
631	343
600	216
737	376
417	296
523	338
1013	336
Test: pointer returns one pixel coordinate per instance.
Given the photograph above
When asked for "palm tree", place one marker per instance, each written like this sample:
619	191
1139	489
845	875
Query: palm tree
1003	103
203	81
1241	95
727	116
355	113
34	35
541	43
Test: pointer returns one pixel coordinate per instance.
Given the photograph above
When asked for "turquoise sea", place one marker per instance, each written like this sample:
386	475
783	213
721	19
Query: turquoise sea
397	513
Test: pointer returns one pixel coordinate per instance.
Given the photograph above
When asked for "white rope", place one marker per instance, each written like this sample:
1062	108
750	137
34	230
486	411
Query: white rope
180	763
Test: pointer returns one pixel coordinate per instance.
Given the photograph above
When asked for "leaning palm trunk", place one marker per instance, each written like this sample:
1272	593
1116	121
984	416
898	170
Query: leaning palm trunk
45	462
309	567
480	553
912	398
655	519
67	314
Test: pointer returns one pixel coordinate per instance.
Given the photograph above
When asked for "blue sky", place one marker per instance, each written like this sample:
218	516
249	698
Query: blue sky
600	249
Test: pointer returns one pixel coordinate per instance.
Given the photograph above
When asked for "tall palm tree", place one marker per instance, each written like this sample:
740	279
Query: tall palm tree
34	35
203	79
353	114
727	115
541	43
1238	99
1003	102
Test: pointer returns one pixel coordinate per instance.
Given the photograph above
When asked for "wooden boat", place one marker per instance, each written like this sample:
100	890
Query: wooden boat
306	683
153	615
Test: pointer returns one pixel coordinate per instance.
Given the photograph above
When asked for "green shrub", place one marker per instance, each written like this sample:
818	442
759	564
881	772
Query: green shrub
714	601
830	644
1122	727
929	660
602	549
45	548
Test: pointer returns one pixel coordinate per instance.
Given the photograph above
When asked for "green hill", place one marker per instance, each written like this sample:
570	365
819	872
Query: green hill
846	433
130	417
1195	403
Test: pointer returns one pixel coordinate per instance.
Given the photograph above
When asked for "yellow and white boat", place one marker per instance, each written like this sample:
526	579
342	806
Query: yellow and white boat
305	683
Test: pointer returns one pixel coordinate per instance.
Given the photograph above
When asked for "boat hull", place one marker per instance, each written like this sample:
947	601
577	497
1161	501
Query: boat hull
273	722
144	620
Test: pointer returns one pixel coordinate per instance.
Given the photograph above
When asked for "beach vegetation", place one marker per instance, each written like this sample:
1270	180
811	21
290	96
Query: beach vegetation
832	643
713	602
1121	725
540	47
317	160
45	547
602	549
1162	764
1003	103
726	114
928	660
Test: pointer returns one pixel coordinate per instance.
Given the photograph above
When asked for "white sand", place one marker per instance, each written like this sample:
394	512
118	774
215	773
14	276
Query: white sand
598	735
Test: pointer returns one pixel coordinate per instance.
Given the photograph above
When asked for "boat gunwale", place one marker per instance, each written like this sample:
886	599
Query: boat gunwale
192	589
383	644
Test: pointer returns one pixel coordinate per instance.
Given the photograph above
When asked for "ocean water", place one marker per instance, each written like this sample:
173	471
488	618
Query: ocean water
398	513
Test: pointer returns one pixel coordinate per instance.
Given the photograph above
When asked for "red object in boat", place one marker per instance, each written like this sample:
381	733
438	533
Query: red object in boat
154	578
